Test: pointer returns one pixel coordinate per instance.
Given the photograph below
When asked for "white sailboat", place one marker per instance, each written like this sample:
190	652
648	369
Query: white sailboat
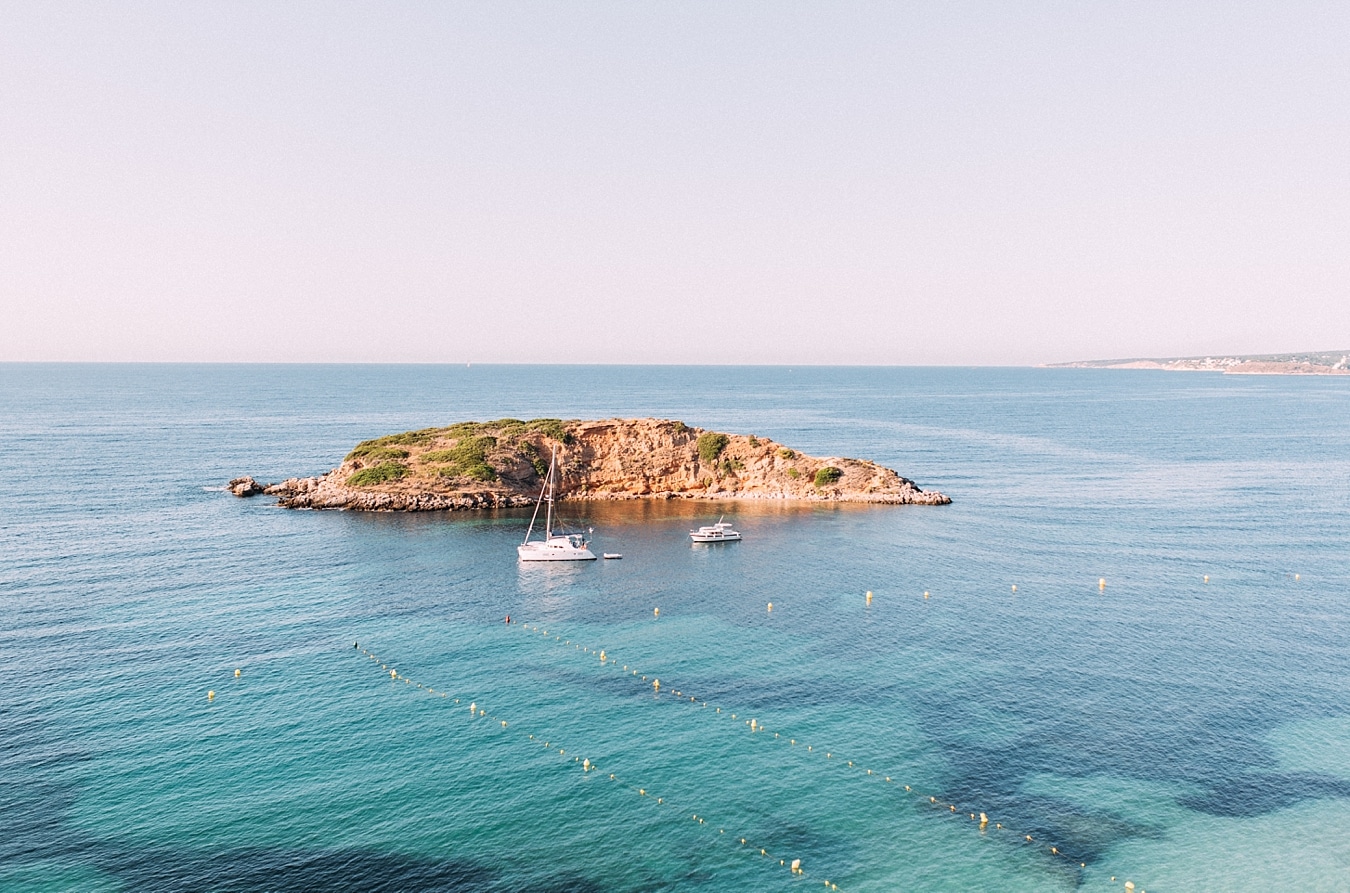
554	546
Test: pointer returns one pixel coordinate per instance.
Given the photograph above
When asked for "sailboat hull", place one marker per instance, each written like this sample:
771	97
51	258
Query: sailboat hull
549	551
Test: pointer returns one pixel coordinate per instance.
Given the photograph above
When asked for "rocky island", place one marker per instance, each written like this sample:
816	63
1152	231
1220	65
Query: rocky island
474	465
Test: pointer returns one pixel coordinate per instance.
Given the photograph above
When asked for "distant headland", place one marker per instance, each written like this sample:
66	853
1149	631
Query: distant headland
1335	362
474	465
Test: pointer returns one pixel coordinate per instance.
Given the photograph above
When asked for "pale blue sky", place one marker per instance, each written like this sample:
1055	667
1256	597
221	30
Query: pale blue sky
672	182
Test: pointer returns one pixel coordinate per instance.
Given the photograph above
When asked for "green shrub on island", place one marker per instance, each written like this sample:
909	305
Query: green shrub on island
467	458
828	475
378	474
786	453
376	453
531	454
480	471
710	446
793	473
407	438
752	440
731	466
515	429
554	428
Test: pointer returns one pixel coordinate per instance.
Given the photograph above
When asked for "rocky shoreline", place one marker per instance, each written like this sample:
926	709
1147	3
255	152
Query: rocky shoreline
1314	363
477	465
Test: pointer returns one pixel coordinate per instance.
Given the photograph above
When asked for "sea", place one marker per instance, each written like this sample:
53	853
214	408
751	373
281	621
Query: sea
1125	644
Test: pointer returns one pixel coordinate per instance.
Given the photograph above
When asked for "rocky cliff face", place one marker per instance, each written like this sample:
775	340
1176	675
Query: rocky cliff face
504	463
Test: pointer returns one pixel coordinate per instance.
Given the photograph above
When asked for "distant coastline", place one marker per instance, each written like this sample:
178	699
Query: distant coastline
1334	362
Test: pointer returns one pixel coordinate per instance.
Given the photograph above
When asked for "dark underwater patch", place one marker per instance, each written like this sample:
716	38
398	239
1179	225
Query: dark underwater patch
1248	796
266	870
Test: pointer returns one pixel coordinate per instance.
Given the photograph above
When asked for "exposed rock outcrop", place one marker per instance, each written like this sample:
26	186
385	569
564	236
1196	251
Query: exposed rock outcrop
245	486
494	464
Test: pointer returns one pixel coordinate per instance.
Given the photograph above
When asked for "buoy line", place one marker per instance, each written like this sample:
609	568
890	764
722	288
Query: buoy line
758	730
481	714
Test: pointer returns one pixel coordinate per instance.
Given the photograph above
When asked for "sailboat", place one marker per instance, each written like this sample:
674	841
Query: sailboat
554	546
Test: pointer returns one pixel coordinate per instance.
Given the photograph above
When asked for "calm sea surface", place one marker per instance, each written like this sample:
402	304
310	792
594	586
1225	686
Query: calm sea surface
1182	734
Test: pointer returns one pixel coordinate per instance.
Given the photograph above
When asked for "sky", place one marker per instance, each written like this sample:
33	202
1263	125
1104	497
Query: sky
672	182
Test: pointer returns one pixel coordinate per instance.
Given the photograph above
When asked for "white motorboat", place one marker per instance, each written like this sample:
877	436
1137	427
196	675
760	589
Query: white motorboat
554	546
720	532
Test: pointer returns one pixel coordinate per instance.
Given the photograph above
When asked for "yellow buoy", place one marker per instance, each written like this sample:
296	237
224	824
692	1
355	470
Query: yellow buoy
586	765
770	607
869	597
1206	578
236	674
984	820
1295	578
210	696
656	684
1014	587
925	594
602	655
656	612
1101	584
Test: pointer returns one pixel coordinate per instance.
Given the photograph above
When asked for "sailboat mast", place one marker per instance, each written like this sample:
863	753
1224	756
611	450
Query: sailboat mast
548	518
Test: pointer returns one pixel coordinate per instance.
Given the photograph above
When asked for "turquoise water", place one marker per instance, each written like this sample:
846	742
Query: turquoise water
1182	734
